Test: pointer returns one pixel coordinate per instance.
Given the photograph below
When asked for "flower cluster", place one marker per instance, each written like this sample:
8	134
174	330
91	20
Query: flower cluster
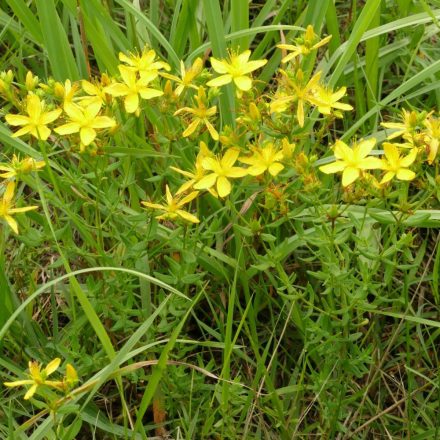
263	145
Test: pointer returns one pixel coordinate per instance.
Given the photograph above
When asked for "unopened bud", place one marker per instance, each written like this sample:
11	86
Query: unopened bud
254	112
31	81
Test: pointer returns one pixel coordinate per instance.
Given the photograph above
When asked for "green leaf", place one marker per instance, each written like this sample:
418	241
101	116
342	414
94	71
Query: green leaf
56	42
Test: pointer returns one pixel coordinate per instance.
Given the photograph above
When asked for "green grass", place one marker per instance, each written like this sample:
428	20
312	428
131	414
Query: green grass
321	322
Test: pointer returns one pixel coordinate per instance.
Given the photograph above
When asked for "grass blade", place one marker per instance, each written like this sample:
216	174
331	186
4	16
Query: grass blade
214	24
56	42
363	22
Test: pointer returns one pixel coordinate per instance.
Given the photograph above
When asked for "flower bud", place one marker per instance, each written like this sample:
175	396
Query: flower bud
31	81
254	112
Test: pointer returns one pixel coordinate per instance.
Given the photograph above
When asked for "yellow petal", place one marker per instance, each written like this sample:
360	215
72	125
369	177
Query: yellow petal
93	109
364	148
41	132
220	81
103	122
433	149
185	187
244	57
71	374
117	89
11	222
230	157
185	173
191	128
75	112
71	127
343	151
256	170
236	172
212	131
323	42
16	120
219	66
209	163
391	153
404	174
275	168
24	209
387	177
8	174
87	135
349	175
291	56
125	59
49	117
128	76
52	366
253	65
131	102
18	383
243	82
206	181
187	216
31	391
370	163
148	76
342	106
25	130
9	193
89	88
409	159
289	47
169	197
34	106
188	198
331	168
223	186
154	206
300	113
147	93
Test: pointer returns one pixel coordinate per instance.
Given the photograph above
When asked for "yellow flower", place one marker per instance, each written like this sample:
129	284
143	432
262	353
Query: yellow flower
237	69
352	161
19	167
6	207
173	207
187	76
198	172
36	121
326	100
302	93
304	45
397	166
85	121
264	159
66	92
221	169
432	137
145	64
131	89
407	128
201	114
38	377
95	91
